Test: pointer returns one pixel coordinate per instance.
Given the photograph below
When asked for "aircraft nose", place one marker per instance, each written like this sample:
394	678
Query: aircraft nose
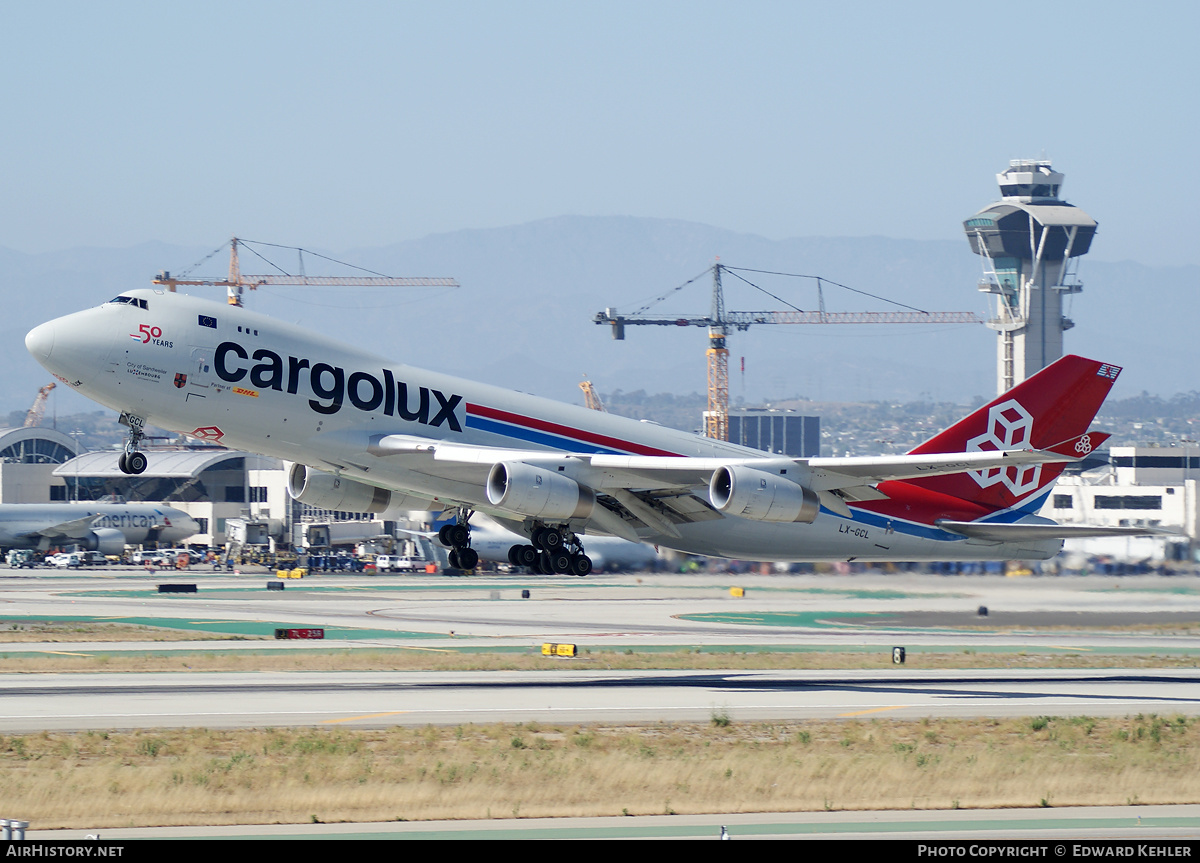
40	341
74	347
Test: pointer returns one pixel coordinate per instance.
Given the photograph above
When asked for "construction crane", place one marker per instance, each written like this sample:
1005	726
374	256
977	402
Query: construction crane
590	397
236	281
720	322
34	417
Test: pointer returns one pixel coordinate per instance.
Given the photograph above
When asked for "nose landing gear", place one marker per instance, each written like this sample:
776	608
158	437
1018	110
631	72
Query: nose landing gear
133	460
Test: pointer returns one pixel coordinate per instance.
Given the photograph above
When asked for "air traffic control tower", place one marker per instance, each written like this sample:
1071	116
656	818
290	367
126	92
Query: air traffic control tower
1028	240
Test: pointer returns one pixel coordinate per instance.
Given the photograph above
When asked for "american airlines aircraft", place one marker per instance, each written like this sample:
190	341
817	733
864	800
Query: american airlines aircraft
365	433
103	527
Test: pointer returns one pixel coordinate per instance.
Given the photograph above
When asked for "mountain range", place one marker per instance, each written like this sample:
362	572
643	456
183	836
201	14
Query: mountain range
522	317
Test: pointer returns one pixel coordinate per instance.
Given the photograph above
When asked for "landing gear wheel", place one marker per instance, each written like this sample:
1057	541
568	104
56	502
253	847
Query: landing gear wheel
458	534
468	558
443	535
526	555
560	562
135	462
452	558
551	539
581	565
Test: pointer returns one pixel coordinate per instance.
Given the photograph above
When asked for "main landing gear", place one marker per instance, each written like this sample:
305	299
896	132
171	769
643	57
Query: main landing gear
554	552
457	537
133	460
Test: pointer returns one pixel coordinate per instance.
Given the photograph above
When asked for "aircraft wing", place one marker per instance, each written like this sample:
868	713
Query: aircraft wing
426	534
658	491
75	529
1042	530
634	472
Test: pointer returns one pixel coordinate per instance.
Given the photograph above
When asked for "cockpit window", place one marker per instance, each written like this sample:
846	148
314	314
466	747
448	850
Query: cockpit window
130	301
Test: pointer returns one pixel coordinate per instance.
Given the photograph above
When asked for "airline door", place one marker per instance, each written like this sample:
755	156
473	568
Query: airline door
199	382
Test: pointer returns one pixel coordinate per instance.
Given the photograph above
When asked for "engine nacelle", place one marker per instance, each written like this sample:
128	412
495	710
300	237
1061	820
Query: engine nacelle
756	494
537	492
106	540
326	491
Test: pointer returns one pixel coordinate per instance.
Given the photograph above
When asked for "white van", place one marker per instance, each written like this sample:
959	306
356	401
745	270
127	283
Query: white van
399	563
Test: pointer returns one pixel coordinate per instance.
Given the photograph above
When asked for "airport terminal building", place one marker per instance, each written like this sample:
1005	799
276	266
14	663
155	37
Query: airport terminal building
211	484
1141	487
28	459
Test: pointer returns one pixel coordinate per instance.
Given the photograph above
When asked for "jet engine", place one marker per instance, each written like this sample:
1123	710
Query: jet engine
106	540
326	491
537	492
755	494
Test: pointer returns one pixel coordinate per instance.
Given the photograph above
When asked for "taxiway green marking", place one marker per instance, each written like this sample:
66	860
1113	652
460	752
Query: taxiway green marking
808	619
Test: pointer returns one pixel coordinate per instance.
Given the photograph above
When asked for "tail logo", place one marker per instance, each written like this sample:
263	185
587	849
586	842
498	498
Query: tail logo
1010	426
1083	446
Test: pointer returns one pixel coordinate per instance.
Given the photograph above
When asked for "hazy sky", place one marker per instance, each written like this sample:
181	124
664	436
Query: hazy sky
340	125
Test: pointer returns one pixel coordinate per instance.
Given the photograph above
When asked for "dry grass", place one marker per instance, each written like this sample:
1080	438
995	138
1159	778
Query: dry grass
57	632
108	779
441	659
412	659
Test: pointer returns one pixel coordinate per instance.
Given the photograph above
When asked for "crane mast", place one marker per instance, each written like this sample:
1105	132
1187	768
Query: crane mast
716	418
591	398
34	417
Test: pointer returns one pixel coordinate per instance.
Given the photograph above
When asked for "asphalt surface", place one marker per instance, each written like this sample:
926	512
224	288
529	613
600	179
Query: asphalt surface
867	613
980	832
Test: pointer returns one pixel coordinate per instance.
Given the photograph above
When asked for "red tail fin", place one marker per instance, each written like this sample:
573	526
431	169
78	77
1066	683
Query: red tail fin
1053	407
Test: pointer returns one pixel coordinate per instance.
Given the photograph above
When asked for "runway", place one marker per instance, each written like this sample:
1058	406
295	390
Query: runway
381	699
861	613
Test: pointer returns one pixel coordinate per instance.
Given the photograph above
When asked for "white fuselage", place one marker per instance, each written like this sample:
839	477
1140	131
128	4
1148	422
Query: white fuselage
247	381
31	525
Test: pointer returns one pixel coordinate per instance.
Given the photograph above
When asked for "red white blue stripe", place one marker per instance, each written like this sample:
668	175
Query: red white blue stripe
541	432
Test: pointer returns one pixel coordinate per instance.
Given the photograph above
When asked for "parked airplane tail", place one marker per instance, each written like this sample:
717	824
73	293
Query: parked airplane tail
1050	411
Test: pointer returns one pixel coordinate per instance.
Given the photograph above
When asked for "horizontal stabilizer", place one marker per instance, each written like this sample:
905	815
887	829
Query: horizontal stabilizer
1081	446
1042	530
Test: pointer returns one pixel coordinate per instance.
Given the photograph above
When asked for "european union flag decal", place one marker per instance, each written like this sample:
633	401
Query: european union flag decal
206	321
